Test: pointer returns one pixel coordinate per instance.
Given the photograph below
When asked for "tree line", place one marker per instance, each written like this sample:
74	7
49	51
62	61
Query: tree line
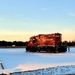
21	43
69	43
14	43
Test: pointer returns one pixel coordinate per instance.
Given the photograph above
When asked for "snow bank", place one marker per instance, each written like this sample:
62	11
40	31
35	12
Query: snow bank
59	70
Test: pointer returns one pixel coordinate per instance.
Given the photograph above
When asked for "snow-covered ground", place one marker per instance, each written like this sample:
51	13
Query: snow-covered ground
16	59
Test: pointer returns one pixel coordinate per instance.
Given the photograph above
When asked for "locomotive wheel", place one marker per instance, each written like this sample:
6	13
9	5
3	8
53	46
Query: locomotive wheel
50	49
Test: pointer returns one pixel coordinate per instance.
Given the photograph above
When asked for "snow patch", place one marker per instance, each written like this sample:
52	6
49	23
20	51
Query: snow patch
59	70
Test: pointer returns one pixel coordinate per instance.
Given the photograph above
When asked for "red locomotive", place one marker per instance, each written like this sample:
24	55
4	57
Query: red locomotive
47	43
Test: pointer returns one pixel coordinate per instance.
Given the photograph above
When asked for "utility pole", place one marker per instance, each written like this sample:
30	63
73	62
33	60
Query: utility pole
1	65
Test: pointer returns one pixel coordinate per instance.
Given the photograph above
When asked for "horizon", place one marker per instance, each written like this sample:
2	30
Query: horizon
19	36
21	19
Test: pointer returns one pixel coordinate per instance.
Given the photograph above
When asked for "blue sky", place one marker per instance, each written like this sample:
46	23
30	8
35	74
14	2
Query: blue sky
20	19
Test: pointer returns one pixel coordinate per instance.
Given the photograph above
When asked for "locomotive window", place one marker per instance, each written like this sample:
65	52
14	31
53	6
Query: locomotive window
57	36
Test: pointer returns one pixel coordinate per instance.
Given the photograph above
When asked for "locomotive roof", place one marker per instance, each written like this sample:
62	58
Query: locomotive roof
47	34
51	34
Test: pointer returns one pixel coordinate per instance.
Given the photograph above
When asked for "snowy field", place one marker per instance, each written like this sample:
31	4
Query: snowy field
16	59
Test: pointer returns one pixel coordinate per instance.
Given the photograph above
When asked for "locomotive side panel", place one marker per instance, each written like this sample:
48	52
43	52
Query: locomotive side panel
49	39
